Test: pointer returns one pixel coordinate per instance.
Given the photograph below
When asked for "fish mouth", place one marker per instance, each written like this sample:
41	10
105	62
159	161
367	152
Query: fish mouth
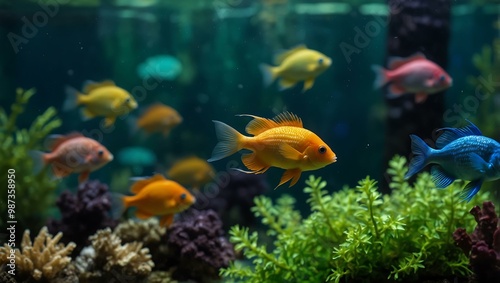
334	159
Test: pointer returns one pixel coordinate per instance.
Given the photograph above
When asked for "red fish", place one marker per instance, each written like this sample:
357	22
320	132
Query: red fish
414	74
72	153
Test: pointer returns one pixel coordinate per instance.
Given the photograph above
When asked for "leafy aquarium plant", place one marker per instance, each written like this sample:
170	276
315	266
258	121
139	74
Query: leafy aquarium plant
33	192
359	235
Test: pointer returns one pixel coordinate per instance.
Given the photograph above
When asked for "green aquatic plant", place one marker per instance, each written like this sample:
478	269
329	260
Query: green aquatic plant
33	194
358	235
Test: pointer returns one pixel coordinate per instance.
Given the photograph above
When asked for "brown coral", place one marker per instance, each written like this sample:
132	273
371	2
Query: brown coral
44	258
109	255
148	232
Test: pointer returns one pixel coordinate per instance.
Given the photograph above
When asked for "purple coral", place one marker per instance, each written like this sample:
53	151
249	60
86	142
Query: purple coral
483	245
198	247
83	213
236	193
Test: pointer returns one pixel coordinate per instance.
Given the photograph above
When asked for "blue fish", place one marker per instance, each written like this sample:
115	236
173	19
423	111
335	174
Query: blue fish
461	153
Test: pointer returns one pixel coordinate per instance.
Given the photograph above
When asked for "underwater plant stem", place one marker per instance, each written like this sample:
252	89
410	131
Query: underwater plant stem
449	231
370	207
265	255
322	208
271	220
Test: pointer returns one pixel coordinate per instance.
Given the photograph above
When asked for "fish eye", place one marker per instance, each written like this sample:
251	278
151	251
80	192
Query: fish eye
322	149
100	152
183	196
127	100
320	61
442	78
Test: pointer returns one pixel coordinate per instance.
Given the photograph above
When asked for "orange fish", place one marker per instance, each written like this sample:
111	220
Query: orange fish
192	171
158	196
159	118
72	153
281	142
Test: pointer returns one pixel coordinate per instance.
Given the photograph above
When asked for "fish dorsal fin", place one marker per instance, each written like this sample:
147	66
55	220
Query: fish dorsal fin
141	182
54	141
451	134
288	119
396	62
259	124
281	56
91	85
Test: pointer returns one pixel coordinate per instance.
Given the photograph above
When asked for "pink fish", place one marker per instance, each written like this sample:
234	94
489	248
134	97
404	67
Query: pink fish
72	153
414	74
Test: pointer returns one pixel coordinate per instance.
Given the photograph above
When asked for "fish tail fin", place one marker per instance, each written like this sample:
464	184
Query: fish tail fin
421	152
72	98
229	141
39	160
269	74
119	203
381	76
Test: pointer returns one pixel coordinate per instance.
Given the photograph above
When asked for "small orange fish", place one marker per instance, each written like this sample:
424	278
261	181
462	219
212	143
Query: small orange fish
281	142
72	153
158	196
192	171
159	118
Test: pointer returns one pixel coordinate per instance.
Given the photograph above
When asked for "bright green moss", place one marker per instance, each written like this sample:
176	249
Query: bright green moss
358	235
34	194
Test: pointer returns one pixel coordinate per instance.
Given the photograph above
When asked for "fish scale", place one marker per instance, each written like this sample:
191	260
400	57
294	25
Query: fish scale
281	142
463	153
456	155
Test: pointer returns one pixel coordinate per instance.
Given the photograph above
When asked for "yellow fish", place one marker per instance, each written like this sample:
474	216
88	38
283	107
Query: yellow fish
159	118
279	142
295	65
158	196
100	99
192	171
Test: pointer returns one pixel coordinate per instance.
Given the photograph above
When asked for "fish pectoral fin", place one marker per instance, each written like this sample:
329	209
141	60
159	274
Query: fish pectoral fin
252	162
395	91
421	97
429	83
290	153
478	163
142	214
86	114
440	178
308	84
166	220
286	83
471	189
170	203
293	174
60	170
109	121
83	176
